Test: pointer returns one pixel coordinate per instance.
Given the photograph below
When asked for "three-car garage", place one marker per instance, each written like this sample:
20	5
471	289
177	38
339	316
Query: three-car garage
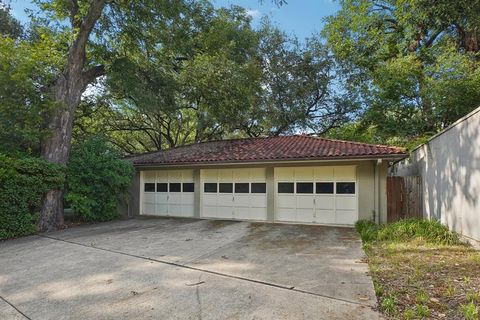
293	179
322	194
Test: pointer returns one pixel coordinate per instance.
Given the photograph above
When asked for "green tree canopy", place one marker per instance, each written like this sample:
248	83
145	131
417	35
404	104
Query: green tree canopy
413	63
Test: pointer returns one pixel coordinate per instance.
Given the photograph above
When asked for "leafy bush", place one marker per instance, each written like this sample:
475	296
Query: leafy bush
367	229
97	179
23	182
430	231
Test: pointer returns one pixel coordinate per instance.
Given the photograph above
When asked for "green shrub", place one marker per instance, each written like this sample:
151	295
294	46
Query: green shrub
430	231
367	229
407	230
97	180
23	182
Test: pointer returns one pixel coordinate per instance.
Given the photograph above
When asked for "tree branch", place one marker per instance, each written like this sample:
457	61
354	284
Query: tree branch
91	74
76	55
74	19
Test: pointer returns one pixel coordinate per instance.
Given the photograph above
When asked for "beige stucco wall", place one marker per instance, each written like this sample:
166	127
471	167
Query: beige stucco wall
449	165
366	181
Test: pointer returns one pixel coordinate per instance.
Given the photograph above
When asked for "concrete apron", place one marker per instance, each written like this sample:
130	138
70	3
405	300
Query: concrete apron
182	268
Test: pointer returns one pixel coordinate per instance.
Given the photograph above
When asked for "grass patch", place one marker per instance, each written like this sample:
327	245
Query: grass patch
407	230
421	270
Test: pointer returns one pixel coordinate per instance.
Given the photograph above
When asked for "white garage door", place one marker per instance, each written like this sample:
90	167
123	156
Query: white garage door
326	195
234	194
168	193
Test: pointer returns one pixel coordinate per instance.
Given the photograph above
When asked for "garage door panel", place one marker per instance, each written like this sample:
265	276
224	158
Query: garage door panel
345	173
325	216
242	213
225	211
161	209
161	197
162	176
258	213
210	200
286	201
323	173
149	197
257	174
187	176
210	175
304	174
285	174
305	215
225	175
241	175
175	176
259	201
225	199
346	203
209	212
174	209
242	200
325	202
304	202
285	214
149	176
149	208
175	198
188	199
188	210
345	216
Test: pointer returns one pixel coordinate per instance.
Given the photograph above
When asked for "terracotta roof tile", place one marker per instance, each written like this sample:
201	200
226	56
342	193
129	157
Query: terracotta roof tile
297	147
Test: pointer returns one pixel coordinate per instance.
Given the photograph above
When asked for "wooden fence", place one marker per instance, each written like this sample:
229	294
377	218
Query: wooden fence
404	198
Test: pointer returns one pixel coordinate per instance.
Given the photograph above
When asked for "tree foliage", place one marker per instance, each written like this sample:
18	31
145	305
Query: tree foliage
26	68
413	63
9	26
97	180
224	80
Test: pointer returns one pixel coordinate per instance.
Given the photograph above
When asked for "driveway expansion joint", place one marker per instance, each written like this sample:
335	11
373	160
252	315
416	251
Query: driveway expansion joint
175	264
14	307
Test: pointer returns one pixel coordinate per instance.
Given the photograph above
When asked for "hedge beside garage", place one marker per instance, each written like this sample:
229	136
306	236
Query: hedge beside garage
23	182
97	180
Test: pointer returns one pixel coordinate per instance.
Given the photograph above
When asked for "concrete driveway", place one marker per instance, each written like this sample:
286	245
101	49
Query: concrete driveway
186	269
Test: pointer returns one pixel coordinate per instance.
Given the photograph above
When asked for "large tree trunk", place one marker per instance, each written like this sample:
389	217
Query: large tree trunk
67	92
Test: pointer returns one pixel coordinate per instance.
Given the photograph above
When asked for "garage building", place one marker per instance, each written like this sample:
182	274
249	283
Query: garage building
293	179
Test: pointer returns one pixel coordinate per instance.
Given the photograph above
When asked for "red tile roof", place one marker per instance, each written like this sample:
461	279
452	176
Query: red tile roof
282	148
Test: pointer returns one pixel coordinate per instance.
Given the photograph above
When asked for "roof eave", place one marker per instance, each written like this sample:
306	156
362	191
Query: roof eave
390	157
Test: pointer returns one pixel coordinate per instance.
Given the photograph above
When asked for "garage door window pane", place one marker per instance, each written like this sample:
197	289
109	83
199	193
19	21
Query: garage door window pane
149	187
345	187
226	187
162	187
259	187
304	187
285	187
241	188
324	187
175	187
210	187
188	187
